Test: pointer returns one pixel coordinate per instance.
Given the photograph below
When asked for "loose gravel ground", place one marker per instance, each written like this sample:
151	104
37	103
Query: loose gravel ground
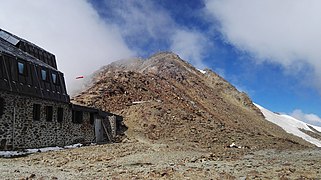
135	160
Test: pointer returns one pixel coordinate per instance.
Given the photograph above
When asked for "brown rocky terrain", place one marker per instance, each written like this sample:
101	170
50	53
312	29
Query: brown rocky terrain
164	99
181	124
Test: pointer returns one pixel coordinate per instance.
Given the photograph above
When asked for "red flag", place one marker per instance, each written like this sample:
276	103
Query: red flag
79	77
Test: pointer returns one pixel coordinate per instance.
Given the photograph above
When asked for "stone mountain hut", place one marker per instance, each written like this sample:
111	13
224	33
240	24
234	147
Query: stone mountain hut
35	108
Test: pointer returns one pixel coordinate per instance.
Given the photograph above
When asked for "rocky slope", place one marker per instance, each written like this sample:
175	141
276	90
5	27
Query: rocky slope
166	100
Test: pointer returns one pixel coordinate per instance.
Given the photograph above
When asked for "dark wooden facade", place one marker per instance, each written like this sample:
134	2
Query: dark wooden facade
38	53
27	69
35	108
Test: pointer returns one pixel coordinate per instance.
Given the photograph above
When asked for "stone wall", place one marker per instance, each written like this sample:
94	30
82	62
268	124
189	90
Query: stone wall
18	129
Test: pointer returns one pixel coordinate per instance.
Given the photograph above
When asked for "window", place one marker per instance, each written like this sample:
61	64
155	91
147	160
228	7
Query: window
92	118
22	70
60	115
77	117
49	113
44	75
36	112
55	79
6	36
2	104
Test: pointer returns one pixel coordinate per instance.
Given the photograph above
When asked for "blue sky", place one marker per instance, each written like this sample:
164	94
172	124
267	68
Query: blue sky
269	49
266	81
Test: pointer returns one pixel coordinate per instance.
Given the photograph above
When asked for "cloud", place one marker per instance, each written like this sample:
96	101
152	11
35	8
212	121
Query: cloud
72	30
142	23
308	118
150	28
284	32
190	45
84	36
141	17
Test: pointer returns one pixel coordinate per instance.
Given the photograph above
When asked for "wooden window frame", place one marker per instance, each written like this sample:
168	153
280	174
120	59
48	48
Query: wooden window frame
57	82
24	68
36	112
77	117
47	74
2	106
60	114
49	113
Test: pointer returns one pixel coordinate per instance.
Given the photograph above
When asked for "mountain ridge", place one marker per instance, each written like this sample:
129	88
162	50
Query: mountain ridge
164	99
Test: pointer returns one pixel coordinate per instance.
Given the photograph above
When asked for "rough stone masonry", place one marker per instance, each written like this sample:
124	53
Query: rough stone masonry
19	129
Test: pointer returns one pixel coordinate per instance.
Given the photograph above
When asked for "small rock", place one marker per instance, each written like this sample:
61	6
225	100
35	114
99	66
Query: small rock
193	160
32	176
292	170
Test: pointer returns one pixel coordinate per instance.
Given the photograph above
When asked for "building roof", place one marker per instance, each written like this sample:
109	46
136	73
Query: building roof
7	48
38	75
9	43
91	110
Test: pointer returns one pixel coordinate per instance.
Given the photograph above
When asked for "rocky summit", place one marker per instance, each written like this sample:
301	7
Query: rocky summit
166	100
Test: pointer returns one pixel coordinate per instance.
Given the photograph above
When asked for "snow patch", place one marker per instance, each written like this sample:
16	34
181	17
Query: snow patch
45	149
233	145
31	151
202	71
291	125
140	102
73	146
316	128
11	153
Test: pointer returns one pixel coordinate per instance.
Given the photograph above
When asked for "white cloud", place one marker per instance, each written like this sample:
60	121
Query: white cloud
190	45
72	30
148	24
285	32
142	19
308	118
